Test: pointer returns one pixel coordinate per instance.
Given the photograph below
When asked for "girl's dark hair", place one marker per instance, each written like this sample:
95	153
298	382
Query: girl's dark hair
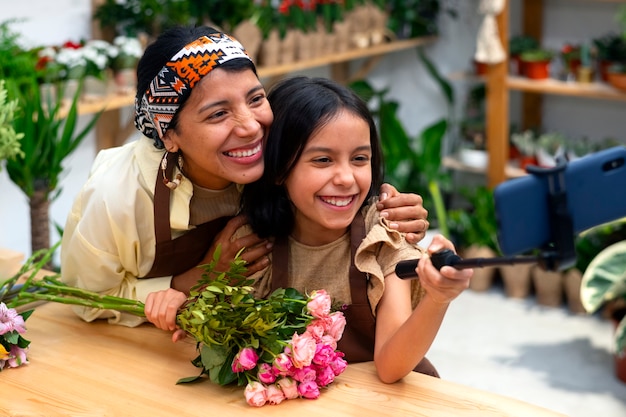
168	44
301	106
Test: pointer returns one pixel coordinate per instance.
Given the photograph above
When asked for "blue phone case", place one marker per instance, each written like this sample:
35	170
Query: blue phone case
595	186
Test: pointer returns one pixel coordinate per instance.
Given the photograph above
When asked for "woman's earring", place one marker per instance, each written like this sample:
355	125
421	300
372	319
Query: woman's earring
176	181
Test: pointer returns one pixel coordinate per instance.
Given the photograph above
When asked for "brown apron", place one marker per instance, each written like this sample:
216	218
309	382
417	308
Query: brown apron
175	256
357	342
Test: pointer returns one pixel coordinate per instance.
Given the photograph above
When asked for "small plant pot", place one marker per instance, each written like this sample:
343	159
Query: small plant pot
474	158
536	70
603	69
548	287
620	357
517	280
483	277
571	283
617	80
584	75
480	68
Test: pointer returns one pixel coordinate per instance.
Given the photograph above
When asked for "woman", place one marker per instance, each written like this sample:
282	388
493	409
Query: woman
323	162
152	210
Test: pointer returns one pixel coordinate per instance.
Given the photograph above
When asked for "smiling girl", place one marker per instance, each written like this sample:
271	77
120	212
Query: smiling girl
323	162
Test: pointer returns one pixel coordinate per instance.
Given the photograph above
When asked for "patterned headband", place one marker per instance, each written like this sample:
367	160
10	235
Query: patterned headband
174	82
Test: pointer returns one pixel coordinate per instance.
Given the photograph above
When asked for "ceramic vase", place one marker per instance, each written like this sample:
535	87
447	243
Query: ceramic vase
548	287
483	277
517	280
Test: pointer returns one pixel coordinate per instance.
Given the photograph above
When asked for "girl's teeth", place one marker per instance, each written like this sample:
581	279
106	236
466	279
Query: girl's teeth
338	202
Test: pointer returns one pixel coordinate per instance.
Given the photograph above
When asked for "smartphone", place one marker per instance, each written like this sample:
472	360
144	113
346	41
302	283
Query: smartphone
595	187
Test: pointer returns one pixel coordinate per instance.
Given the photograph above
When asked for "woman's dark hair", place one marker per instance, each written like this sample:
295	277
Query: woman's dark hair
168	44
301	106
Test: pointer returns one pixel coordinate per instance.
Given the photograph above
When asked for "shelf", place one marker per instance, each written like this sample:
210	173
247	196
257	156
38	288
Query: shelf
453	163
552	86
340	57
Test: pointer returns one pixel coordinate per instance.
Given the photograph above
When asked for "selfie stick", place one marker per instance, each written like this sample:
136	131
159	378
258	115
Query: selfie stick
558	254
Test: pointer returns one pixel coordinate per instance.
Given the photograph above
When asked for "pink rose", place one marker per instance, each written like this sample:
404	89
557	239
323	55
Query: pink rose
275	394
283	365
256	394
245	360
337	325
266	373
329	341
338	365
302	349
319	304
318	327
289	388
323	354
309	390
325	376
304	374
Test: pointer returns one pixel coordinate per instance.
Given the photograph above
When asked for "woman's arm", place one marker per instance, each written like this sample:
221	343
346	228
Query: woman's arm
403	336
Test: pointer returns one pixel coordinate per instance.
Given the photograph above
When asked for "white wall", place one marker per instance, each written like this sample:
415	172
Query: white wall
421	103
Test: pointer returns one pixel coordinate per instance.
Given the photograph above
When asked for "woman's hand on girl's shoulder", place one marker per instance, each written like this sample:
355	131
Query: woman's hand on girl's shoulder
404	212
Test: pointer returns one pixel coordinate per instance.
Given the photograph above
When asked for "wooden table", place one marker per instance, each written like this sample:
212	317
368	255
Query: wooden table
98	369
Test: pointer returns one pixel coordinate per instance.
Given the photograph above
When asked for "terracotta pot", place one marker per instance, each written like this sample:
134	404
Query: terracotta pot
517	280
480	68
537	70
617	80
483	277
548	287
620	359
571	283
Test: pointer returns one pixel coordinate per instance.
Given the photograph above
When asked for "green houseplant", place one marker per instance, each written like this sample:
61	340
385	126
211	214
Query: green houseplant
603	287
413	163
49	130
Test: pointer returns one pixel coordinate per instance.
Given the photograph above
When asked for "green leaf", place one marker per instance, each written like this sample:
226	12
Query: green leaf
604	279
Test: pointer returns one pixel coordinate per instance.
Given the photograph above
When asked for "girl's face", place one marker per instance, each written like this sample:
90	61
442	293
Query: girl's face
222	128
331	179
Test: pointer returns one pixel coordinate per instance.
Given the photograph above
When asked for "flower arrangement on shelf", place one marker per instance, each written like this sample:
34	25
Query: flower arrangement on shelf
281	347
126	53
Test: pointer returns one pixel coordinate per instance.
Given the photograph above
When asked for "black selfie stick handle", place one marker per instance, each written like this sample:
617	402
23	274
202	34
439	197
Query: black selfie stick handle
406	269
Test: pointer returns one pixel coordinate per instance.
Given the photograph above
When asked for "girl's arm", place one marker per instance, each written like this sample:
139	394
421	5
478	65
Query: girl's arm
403	336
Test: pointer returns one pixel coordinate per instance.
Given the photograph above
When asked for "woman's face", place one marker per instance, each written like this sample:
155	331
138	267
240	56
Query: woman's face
222	128
331	179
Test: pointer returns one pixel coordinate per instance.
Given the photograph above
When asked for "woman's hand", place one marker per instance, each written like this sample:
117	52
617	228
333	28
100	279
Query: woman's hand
404	211
255	253
161	308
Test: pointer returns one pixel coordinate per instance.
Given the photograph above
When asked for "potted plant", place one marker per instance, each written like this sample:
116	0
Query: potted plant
49	137
610	50
474	231
517	45
536	63
603	287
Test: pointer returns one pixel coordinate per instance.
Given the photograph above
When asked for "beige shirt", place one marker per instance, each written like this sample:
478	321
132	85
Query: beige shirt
327	266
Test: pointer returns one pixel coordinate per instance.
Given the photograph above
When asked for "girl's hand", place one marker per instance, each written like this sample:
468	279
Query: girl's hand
445	285
404	211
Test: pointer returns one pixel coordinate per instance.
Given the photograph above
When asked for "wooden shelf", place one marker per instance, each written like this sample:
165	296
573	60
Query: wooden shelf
451	162
597	90
346	56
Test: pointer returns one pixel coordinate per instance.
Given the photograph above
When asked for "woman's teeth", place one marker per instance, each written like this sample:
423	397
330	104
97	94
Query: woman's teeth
244	153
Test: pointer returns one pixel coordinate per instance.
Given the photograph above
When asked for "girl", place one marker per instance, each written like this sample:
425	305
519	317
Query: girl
322	164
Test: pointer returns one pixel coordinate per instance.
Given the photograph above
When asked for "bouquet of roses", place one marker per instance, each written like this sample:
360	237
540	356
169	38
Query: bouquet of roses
281	347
